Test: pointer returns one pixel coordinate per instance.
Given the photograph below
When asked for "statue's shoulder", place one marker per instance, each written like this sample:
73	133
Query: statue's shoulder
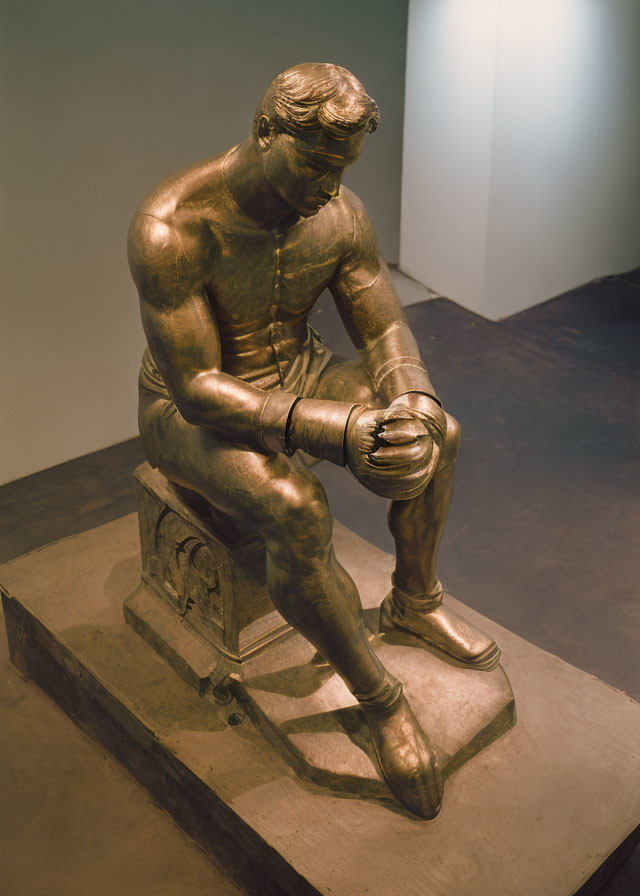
351	208
350	201
179	200
172	220
353	221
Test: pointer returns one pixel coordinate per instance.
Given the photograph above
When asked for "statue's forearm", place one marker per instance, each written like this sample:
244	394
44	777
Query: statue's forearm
393	362
238	411
275	421
375	320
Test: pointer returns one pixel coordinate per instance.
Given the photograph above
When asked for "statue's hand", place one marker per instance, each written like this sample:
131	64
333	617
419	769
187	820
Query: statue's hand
427	410
430	415
391	451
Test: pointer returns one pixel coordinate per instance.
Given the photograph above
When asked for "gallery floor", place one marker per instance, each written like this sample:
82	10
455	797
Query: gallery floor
542	537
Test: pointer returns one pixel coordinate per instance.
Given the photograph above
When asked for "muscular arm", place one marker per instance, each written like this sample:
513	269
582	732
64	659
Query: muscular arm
373	316
170	266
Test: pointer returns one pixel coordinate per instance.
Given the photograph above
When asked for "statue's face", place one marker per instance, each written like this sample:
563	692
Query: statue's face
307	172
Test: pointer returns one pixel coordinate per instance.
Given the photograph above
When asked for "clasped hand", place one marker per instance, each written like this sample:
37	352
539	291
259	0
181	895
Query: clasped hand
395	451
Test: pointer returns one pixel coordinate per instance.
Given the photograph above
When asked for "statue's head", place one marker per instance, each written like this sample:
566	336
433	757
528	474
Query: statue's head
309	127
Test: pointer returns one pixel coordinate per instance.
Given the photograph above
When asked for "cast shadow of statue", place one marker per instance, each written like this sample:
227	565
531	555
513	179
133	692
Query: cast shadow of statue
307	714
139	678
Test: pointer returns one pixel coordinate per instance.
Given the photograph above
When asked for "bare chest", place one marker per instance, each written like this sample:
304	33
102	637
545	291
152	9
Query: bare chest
272	274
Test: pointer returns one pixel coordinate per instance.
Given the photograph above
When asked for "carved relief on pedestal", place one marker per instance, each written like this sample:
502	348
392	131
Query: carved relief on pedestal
190	574
212	581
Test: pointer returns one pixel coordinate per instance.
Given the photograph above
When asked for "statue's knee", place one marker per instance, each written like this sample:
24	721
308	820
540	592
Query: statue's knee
306	504
362	391
300	521
348	381
452	442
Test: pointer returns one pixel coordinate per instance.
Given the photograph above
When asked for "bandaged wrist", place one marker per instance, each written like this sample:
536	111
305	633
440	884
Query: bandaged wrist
318	427
394	364
274	420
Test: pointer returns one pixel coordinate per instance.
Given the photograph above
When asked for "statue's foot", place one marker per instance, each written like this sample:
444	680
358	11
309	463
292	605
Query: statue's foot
441	627
406	757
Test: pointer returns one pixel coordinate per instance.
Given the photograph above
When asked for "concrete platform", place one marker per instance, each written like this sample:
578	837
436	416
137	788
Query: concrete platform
535	813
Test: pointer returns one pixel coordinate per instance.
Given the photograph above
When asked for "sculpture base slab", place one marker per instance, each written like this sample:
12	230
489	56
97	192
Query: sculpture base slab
304	708
538	812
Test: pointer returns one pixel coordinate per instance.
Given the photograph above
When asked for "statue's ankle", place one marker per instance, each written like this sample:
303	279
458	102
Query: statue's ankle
383	701
422	602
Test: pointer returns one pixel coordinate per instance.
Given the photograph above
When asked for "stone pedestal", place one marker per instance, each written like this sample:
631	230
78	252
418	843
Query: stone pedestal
536	813
202	602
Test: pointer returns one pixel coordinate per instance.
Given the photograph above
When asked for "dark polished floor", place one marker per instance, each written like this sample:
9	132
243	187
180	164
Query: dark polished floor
544	530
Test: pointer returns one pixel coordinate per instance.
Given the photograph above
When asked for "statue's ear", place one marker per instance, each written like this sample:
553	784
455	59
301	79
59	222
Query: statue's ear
264	132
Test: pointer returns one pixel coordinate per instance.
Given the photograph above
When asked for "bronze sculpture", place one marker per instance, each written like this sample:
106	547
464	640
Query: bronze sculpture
237	393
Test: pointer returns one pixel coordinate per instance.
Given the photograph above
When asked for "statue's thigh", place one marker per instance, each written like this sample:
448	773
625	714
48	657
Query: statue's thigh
266	492
346	381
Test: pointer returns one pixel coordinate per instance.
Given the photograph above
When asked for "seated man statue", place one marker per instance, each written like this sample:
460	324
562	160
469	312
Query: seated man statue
237	391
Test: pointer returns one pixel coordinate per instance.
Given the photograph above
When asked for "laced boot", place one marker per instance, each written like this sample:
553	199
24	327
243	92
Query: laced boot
405	756
426	616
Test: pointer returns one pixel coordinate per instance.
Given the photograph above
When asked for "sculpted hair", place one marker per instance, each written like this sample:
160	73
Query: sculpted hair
318	95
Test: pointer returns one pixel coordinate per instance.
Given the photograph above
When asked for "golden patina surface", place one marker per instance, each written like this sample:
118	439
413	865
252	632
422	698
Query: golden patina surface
229	257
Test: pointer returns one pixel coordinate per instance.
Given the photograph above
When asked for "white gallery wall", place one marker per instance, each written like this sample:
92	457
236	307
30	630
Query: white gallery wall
100	101
521	160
